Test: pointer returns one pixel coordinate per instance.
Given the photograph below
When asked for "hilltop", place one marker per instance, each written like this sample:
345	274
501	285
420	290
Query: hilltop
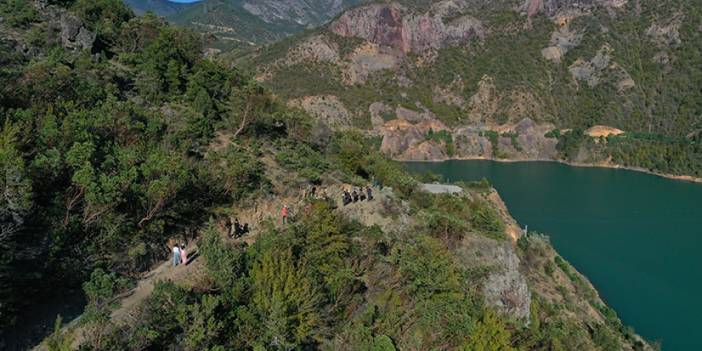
505	79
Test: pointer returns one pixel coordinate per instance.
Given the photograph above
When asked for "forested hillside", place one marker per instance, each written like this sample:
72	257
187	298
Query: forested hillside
119	137
479	70
242	23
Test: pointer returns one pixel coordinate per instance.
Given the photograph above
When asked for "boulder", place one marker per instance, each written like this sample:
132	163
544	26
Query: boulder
74	34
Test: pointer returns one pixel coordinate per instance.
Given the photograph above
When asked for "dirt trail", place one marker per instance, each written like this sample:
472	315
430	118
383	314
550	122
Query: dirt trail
185	275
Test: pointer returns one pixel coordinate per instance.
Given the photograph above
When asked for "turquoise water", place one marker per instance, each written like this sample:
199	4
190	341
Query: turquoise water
637	237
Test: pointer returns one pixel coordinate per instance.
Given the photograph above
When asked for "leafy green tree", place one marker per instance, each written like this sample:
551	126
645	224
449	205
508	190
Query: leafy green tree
165	174
226	265
240	171
490	335
382	343
428	267
15	205
286	299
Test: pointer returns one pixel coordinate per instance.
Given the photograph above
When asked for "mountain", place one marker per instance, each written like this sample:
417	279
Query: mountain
607	82
238	22
159	7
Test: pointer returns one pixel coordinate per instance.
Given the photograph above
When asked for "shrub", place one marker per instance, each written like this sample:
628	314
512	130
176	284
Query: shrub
490	334
18	13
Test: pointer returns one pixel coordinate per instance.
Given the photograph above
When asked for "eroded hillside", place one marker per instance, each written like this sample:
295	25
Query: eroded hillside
506	79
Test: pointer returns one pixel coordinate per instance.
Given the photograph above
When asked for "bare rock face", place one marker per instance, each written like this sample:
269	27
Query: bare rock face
377	111
404	140
562	41
532	140
505	288
591	71
74	34
390	25
425	151
316	49
665	35
365	60
470	142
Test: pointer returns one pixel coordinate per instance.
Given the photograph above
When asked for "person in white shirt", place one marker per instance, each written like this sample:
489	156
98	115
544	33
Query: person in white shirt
176	255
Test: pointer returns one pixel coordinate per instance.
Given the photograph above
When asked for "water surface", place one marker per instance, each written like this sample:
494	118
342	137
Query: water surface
636	236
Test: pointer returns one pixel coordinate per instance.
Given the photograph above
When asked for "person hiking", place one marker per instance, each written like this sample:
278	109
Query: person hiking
284	214
346	197
369	192
237	228
354	196
176	255
361	194
313	193
183	255
228	226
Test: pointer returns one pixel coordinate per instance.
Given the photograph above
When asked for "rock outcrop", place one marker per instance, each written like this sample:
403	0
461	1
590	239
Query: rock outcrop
525	140
591	71
74	34
505	288
389	24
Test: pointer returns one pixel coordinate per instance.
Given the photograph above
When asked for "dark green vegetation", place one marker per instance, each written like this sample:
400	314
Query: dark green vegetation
651	152
103	153
108	153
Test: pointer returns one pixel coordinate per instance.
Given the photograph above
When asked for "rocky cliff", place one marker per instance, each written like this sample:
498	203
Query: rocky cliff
487	68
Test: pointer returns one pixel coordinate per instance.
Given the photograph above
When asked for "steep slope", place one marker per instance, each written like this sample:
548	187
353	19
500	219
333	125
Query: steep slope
159	7
238	22
507	79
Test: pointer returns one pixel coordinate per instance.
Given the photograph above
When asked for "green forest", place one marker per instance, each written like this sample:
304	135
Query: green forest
109	152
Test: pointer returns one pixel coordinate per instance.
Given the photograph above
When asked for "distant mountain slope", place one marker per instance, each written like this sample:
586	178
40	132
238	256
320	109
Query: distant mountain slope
159	7
258	21
496	76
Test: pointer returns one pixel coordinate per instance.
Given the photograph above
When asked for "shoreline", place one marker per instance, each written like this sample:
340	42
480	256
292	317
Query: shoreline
684	178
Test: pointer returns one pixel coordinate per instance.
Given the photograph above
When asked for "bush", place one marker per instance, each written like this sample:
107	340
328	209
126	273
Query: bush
239	171
485	219
428	268
18	13
490	334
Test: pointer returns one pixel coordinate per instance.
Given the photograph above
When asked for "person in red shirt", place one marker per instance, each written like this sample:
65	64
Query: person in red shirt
284	214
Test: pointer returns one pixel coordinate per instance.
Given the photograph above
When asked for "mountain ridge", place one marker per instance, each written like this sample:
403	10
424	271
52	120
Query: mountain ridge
479	69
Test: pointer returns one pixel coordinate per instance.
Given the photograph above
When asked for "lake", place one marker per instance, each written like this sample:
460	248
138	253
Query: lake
636	236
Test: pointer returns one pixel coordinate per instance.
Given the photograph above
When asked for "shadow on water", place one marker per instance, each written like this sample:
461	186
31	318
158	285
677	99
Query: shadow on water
36	322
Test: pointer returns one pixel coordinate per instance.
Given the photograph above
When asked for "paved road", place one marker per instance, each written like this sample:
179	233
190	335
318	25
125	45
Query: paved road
441	188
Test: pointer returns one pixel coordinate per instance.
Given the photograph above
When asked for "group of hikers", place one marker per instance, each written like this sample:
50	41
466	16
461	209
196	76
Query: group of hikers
180	255
236	230
357	195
